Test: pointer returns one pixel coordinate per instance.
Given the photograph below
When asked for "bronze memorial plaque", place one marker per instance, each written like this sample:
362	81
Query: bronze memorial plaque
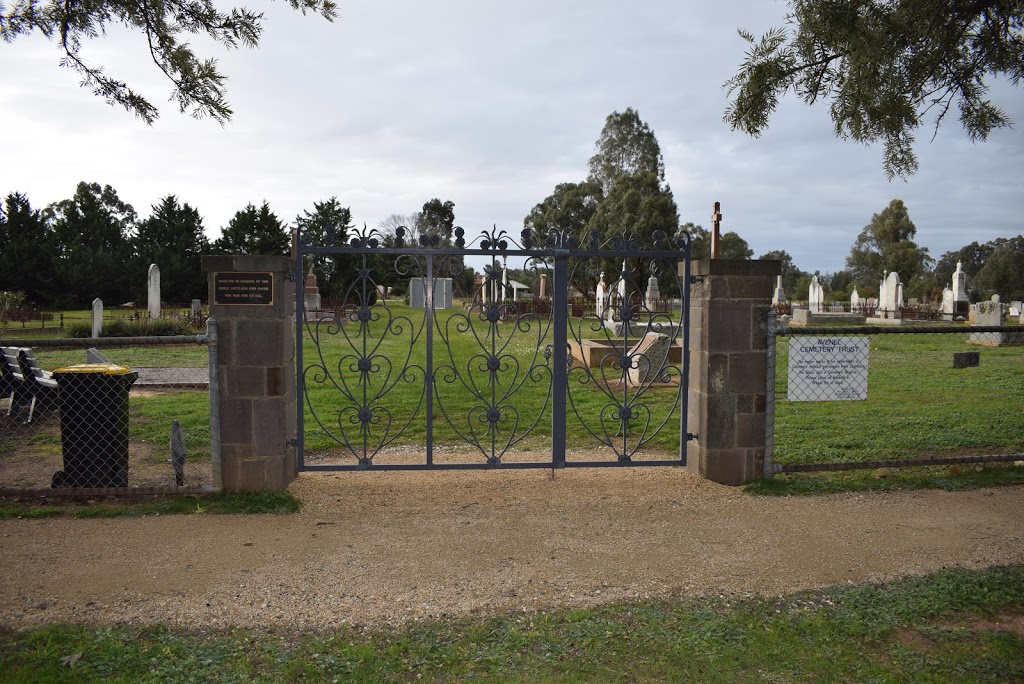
243	288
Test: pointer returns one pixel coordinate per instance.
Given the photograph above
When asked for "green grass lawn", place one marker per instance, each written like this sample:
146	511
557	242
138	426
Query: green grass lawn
917	405
954	626
463	392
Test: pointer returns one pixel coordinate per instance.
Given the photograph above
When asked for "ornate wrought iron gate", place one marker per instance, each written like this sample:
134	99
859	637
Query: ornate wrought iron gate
389	386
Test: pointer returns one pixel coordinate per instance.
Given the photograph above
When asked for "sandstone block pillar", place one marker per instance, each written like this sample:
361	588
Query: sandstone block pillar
728	368
254	303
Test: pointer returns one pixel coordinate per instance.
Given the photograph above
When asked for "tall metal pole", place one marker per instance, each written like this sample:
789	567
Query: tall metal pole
559	369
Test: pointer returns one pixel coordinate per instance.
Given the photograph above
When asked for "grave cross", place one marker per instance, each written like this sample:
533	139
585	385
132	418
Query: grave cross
716	224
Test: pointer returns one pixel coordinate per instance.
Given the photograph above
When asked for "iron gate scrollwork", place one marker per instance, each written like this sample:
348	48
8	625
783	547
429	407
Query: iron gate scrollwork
383	384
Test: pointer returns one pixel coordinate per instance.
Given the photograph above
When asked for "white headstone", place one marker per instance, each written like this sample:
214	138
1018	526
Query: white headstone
622	285
442	298
854	300
154	291
543	285
815	296
780	294
653	294
197	308
600	297
959	284
890	296
97	317
948	302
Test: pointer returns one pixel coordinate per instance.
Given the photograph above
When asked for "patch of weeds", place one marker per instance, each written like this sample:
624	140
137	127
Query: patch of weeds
223	503
947	478
12	510
907	630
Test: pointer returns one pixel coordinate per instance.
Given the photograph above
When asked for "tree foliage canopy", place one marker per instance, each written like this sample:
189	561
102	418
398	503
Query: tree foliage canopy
90	233
626	147
889	67
172	237
197	84
885	245
254	231
570	207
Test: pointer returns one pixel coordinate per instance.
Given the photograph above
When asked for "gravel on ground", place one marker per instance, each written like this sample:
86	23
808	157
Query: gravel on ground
387	548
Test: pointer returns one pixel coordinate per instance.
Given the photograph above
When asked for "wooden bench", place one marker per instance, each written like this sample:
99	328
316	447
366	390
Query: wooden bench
30	380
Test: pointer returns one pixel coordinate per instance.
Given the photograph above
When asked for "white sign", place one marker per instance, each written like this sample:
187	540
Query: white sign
828	368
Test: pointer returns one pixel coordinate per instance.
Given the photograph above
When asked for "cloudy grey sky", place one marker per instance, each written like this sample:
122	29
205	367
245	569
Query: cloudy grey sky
491	105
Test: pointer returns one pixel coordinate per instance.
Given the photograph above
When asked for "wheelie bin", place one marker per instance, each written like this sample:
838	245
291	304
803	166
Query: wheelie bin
93	404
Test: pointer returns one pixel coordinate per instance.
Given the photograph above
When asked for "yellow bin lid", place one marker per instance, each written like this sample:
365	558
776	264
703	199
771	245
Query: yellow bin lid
104	368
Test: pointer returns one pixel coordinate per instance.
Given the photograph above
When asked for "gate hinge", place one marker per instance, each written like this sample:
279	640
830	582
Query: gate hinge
289	277
292	442
691	436
696	279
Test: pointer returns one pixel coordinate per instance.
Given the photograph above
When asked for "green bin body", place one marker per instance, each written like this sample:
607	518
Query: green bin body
93	404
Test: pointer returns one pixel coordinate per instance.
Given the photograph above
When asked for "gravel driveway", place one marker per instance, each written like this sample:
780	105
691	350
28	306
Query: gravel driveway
386	548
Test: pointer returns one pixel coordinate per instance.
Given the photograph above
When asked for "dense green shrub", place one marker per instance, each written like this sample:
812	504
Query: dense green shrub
125	327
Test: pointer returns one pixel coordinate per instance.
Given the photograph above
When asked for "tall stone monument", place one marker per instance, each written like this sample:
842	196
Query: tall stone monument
780	293
815	296
653	294
154	291
97	317
600	297
890	297
311	295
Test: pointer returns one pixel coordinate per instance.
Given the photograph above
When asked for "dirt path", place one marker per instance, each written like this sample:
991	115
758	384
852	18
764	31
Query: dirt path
373	548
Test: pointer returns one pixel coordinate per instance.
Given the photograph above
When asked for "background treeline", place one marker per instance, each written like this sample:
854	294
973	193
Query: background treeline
95	245
625	191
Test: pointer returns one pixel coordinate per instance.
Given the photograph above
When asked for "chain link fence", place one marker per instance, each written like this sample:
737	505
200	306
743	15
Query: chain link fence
105	413
843	398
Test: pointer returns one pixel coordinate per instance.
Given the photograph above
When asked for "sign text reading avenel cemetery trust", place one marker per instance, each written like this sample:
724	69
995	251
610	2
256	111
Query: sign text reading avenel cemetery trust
828	368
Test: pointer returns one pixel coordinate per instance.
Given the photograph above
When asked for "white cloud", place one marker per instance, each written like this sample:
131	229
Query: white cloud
490	105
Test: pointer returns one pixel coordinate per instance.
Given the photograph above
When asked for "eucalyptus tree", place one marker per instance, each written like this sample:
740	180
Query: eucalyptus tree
197	84
889	68
886	244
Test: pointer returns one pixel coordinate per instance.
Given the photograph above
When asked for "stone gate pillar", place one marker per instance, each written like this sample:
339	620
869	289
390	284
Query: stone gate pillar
254	303
728	367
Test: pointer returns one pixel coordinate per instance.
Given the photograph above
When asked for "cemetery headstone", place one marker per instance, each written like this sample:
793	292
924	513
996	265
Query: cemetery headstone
311	295
959	284
854	300
653	294
780	294
154	291
890	297
442	293
948	304
815	296
97	317
988	313
966	359
648	358
197	309
961	301
600	297
543	286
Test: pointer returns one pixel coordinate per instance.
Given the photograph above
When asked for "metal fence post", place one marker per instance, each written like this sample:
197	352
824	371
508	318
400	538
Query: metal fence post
769	396
214	384
559	361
